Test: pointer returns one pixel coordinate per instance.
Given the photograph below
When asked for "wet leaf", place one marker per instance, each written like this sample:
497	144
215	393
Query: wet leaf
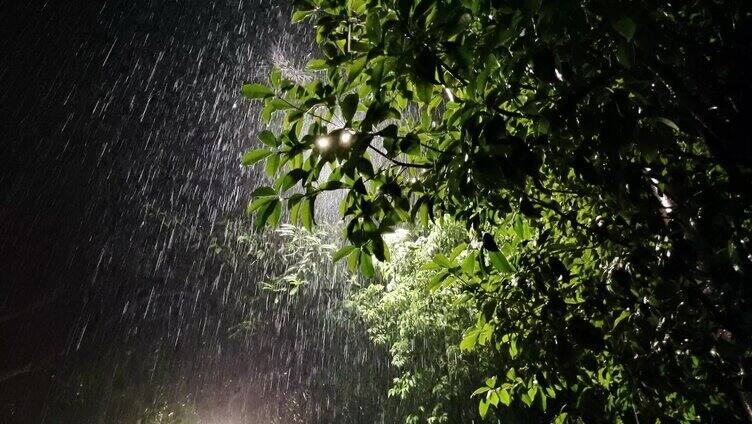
268	138
483	408
299	15
341	253
316	65
256	91
306	212
500	262
470	340
249	158
626	27
349	105
366	265
436	280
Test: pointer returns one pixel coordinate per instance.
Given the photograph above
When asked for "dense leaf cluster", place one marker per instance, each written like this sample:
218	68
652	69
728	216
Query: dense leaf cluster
598	156
421	329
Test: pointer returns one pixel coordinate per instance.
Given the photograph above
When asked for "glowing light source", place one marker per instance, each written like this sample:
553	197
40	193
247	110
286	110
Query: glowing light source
345	137
323	142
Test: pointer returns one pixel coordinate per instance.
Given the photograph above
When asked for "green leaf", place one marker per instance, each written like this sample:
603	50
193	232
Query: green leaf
425	90
470	340
291	178
348	106
379	249
341	253
316	65
493	398
357	6
435	281
443	261
504	397
429	266
272	165
484	334
275	76
352	260
626	27
256	204
306	212
332	185
270	209
373	28
457	250
624	315
519	227
266	112
669	123
480	390
423	214
293	204
356	67
279	104
468	264
551	392
525	398
256	91
268	138
531	392
299	15
513	349
483	408
500	262
264	192
366	265
249	158
561	418
276	214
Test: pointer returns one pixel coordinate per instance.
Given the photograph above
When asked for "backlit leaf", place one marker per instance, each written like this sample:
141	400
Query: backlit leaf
249	158
256	91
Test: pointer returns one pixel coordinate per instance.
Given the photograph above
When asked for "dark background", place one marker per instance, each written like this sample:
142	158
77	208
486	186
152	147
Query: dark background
120	132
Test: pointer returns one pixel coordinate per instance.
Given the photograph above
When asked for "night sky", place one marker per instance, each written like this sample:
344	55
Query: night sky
120	132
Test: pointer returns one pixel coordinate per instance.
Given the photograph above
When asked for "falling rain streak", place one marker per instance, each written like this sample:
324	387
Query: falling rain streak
122	198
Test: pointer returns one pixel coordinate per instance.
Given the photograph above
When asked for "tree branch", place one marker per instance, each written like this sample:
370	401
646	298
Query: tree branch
397	162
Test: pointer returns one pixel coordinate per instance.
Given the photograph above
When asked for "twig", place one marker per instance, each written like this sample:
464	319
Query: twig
308	112
396	162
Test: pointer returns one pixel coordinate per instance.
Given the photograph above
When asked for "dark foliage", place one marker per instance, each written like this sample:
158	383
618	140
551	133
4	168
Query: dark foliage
598	153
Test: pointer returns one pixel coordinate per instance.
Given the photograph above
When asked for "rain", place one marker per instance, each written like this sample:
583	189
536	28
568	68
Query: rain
129	278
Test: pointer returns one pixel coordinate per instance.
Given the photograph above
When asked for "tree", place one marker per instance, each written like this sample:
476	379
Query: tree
596	153
318	374
421	326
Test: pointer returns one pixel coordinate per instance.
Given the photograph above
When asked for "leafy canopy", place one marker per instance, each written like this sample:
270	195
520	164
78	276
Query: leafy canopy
597	155
421	327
